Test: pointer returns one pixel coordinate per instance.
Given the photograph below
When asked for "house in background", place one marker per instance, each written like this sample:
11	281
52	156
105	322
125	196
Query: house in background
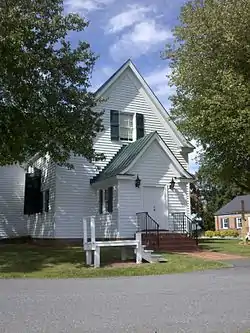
144	177
229	216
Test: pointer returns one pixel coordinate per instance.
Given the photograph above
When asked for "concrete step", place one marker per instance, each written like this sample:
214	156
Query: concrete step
148	251
162	260
156	255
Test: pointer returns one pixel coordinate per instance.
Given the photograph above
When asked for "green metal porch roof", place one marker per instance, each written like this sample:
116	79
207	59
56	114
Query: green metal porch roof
123	158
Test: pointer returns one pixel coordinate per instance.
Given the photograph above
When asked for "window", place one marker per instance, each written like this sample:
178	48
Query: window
33	197
106	200
46	201
126	126
225	223
238	222
122	126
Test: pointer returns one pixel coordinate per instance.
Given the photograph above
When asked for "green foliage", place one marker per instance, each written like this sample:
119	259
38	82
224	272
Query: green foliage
210	69
45	105
222	233
213	196
209	233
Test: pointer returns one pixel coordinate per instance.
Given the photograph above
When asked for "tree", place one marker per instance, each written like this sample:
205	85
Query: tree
210	196
211	71
45	105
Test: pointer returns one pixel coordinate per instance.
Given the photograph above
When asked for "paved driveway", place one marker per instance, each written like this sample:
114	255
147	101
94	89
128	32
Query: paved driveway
211	301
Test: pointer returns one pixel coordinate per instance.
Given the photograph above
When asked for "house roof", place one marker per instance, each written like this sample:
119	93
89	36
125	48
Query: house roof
172	126
234	206
129	154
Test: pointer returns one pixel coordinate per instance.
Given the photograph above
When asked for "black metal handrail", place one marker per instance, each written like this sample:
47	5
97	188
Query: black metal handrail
146	223
179	223
182	223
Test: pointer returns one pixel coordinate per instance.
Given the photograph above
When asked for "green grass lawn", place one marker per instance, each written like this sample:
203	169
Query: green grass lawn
232	246
28	260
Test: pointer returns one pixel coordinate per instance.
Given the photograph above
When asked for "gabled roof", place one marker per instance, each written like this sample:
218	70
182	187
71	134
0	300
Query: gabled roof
129	154
172	126
123	158
234	206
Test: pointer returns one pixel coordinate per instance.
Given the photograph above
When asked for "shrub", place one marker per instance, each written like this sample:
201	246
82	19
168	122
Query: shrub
229	233
209	233
222	233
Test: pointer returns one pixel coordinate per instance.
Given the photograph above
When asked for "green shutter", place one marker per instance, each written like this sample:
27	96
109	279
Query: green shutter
114	125
110	199
139	126
33	197
28	194
100	201
46	201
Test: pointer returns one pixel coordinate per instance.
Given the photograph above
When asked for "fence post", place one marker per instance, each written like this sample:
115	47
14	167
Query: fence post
139	248
85	236
92	227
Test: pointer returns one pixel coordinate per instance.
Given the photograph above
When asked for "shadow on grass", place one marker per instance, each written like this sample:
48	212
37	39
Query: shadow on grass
28	258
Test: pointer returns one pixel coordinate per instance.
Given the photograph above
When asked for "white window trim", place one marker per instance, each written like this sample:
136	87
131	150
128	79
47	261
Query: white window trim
237	222
133	128
223	223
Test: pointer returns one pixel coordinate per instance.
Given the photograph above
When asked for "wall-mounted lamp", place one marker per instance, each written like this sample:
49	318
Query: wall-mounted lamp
172	184
137	182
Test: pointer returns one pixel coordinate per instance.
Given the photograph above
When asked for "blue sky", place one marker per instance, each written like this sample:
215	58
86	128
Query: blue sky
122	29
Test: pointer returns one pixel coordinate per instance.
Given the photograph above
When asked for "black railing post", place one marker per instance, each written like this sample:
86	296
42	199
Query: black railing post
158	238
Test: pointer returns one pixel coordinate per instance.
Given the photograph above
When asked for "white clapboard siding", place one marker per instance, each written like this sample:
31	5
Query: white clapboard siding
107	223
153	168
127	94
75	198
12	221
129	205
42	225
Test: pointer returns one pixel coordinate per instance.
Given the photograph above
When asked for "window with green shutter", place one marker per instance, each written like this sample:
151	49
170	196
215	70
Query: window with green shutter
114	125
100	201
126	126
139	126
106	200
110	199
46	201
33	197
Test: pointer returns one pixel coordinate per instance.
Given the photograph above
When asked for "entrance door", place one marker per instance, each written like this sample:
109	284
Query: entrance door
154	202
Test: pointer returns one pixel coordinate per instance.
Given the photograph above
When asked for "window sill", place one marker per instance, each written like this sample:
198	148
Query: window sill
122	141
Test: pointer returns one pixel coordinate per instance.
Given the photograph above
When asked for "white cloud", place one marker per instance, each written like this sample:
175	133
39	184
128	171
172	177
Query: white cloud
80	6
99	76
158	76
140	40
107	70
159	82
134	14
